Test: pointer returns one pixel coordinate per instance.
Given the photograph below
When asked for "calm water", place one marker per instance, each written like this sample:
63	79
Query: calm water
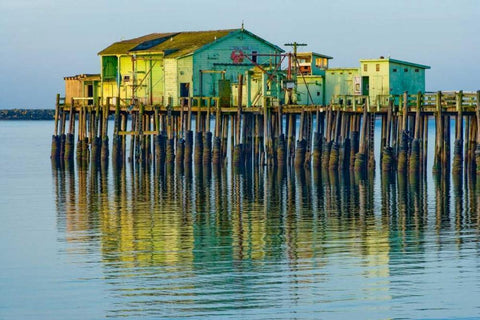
211	244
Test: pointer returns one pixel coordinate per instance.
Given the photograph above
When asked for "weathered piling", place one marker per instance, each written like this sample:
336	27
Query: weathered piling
457	164
207	148
300	150
170	151
281	151
317	150
180	152
361	156
198	148
188	146
404	138
414	159
438	156
388	157
334	150
336	137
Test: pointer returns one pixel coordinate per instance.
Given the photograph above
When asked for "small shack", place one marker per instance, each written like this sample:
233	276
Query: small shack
386	76
83	86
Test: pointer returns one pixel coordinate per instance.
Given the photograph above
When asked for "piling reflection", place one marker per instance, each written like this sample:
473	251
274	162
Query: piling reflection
162	233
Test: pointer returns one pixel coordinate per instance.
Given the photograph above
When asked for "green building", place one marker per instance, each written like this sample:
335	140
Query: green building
376	78
385	76
311	86
342	81
161	68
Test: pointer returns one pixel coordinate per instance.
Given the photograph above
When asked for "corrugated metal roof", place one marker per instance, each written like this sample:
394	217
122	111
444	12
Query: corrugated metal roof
173	44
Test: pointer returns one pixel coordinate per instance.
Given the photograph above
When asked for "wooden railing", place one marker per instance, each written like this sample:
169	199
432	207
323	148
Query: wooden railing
448	101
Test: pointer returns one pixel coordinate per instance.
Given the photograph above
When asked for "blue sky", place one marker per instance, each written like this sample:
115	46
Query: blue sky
45	40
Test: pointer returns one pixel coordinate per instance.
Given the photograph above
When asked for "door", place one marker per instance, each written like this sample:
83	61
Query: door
365	86
90	94
184	90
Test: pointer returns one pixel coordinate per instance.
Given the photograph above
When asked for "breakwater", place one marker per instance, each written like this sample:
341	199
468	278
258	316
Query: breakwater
27	114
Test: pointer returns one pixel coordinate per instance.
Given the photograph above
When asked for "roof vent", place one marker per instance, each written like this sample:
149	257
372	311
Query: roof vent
382	57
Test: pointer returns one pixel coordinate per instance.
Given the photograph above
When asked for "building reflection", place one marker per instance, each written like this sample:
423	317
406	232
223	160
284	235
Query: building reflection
167	222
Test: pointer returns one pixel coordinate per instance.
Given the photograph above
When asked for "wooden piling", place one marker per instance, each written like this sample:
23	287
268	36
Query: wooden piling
457	165
404	137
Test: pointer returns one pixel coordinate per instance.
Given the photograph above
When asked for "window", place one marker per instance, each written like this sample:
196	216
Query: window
365	67
394	70
377	67
254	56
405	70
416	70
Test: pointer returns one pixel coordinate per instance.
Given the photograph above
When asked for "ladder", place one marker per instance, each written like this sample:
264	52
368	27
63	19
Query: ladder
371	132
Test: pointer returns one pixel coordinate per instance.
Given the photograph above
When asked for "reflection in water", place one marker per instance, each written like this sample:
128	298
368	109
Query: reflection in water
208	242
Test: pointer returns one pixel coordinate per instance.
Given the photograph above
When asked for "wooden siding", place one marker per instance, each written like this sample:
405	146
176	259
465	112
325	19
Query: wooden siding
218	57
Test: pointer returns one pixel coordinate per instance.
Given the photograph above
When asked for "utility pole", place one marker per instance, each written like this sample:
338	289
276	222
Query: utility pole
289	76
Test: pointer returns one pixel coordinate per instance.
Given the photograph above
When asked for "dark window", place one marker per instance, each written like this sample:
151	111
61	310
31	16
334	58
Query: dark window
318	93
406	70
394	70
254	56
365	67
377	67
416	70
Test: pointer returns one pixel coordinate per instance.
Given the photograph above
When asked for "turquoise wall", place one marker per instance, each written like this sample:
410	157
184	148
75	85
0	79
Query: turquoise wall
217	56
315	87
339	81
406	78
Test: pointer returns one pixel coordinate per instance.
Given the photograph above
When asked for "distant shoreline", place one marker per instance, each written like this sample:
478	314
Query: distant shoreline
27	114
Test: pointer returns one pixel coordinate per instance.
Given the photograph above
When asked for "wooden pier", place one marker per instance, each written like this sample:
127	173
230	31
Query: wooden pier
339	136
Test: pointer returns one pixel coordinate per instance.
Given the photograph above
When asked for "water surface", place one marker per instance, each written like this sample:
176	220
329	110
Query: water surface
204	243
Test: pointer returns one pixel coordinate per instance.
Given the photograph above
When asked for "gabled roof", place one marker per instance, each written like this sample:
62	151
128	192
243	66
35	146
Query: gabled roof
422	66
174	44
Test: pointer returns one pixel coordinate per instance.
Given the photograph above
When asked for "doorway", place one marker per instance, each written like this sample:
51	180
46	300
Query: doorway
184	89
365	86
90	94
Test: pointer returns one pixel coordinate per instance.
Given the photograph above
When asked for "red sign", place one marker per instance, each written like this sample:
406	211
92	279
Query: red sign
237	56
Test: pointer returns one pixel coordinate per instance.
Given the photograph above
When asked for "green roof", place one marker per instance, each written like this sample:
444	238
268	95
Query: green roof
185	43
124	47
173	44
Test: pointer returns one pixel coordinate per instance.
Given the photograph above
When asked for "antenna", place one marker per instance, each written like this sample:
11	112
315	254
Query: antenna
243	26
